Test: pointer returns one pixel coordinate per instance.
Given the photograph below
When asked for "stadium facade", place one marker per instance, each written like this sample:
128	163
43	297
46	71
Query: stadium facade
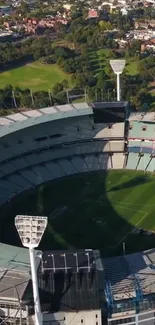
45	144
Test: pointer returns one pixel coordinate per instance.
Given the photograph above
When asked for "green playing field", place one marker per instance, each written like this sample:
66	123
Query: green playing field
37	76
93	210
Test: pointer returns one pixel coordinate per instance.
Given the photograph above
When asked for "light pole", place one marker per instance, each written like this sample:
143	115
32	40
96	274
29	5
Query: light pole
118	67
30	230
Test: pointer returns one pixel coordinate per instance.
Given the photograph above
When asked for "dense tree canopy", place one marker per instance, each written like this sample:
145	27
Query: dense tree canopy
71	52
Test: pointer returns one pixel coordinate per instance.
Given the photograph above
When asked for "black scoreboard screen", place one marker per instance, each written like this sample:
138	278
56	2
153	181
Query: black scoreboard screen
109	112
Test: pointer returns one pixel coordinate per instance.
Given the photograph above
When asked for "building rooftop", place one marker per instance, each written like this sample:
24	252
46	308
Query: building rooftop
13	285
82	260
69	288
15	258
14	271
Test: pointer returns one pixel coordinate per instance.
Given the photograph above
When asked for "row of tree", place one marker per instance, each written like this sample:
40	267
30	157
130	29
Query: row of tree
88	88
80	36
12	54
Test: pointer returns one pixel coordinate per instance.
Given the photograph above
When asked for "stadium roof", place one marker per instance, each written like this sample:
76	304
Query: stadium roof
110	104
127	272
15	122
142	117
68	260
12	285
14	271
66	287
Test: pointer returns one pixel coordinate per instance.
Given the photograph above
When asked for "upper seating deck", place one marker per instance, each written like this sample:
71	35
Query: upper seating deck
124	272
43	134
15	179
144	162
118	160
145	146
132	160
24	119
15	122
141	130
142	116
115	130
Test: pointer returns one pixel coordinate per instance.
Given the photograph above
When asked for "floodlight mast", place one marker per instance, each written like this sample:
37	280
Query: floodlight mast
118	67
31	230
118	88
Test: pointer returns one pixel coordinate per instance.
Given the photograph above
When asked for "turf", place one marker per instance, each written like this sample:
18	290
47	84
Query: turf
93	210
99	60
35	76
132	68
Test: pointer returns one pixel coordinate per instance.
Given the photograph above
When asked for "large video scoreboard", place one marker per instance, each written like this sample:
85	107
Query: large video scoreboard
110	112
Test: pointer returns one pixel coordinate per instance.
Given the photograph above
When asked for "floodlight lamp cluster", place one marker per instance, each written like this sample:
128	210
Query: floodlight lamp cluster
30	229
117	66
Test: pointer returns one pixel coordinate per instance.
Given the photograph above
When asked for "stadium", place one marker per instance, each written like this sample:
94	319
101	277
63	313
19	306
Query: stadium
50	160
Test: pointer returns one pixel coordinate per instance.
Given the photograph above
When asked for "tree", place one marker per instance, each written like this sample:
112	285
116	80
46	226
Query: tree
101	79
105	25
41	99
57	88
91	80
26	100
84	50
135	46
64	53
69	66
65	84
51	59
23	8
151	73
139	100
81	80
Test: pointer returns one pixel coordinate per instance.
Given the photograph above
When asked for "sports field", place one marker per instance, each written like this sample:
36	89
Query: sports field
93	210
35	76
38	76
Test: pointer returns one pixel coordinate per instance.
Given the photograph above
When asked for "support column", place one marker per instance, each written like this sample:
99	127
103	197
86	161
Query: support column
37	309
118	87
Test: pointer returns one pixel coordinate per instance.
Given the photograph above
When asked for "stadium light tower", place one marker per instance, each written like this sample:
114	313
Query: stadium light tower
118	67
30	230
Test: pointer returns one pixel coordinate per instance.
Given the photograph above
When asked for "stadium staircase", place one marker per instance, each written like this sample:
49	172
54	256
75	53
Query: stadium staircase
138	162
110	158
139	292
108	292
147	166
125	160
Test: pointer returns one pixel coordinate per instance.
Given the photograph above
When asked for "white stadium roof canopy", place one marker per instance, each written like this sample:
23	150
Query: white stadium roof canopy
17	121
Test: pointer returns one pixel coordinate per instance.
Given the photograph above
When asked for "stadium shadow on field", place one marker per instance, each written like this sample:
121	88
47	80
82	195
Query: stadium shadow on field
136	181
80	215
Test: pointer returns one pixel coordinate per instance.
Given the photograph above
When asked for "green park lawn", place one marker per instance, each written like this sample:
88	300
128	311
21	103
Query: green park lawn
100	60
92	210
35	76
132	68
